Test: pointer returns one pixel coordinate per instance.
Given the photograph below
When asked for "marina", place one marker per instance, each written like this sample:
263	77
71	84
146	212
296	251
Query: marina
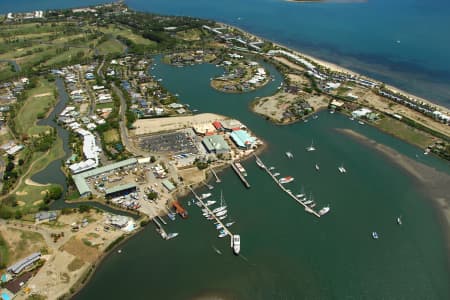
281	186
224	229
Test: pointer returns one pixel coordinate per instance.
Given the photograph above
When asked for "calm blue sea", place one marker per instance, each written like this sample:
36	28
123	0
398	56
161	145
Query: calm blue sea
404	42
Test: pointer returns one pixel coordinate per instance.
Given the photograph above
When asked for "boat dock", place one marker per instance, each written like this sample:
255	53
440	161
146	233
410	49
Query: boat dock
160	229
225	228
244	181
264	167
215	175
162	220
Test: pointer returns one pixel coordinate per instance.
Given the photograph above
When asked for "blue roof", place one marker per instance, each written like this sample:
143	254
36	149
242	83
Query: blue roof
5	296
242	138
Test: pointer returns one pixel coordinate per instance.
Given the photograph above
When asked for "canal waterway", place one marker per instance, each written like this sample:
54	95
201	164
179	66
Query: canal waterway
286	252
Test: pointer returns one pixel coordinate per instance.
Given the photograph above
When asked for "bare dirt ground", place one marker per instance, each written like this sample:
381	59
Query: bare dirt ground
274	106
28	181
149	126
192	175
72	256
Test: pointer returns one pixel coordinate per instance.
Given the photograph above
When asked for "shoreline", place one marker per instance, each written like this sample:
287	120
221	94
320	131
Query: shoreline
335	67
434	183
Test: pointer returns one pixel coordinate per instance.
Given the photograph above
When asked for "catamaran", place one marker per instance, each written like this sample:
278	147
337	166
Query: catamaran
375	235
342	169
236	244
311	147
289	155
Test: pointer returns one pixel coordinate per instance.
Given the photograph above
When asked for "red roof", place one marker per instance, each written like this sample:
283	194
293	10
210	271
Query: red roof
217	125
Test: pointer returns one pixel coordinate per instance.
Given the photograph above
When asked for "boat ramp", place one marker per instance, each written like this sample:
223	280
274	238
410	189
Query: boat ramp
263	166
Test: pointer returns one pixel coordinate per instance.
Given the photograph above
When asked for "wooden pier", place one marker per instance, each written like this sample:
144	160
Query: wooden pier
215	175
244	181
281	186
225	228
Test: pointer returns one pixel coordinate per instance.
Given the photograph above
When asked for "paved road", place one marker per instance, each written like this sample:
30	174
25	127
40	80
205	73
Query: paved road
123	125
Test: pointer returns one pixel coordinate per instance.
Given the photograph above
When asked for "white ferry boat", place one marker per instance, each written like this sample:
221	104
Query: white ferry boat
286	179
236	244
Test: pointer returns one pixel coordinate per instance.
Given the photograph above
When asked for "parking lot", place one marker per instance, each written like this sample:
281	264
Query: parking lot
176	143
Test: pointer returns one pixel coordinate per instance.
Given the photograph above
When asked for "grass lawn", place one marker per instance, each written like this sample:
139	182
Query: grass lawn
405	132
104	105
66	56
189	35
40	100
21	243
111	46
126	32
4	253
111	136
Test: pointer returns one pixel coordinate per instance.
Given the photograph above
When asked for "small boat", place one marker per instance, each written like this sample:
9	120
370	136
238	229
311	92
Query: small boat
342	169
317	167
399	221
311	147
315	117
206	195
352	118
171	216
324	210
271	168
221	213
222	234
276	174
289	155
219	209
308	202
199	204
361	122
222	217
189	203
217	250
229	224
219	226
312	205
305	121
300	196
286	179
260	164
332	111
375	235
236	244
119	251
210	202
172	235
